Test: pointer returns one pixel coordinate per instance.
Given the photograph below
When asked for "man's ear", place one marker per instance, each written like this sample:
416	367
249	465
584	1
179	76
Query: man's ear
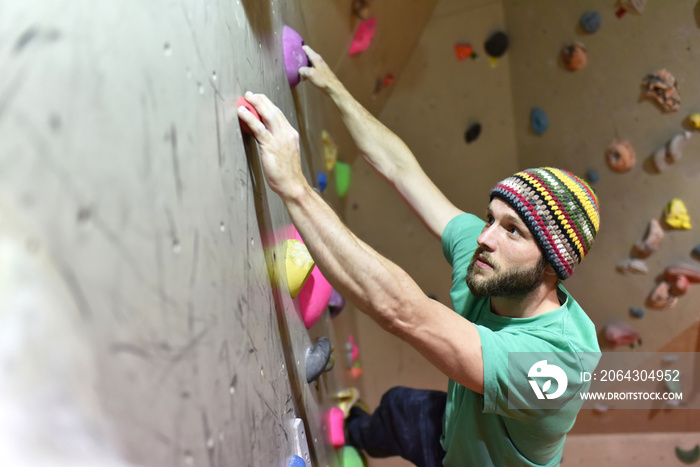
549	270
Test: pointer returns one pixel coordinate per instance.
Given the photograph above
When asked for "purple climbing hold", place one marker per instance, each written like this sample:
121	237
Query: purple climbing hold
336	303
294	55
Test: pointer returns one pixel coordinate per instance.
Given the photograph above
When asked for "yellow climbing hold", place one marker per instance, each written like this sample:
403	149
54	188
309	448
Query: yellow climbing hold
330	150
298	264
695	120
677	215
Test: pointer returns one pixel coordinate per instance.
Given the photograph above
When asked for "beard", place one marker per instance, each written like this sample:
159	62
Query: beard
513	283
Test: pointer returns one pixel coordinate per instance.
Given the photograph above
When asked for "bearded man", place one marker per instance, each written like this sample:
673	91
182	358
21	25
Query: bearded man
506	292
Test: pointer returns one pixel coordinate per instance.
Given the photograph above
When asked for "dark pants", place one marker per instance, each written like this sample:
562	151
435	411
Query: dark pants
407	423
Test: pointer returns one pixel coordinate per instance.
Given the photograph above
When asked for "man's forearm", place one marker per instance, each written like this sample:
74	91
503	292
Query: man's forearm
371	282
382	148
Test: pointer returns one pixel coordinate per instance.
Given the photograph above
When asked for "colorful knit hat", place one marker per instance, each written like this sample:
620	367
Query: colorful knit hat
560	210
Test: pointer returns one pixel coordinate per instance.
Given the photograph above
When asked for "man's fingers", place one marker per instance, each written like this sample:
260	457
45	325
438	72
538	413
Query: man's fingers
256	126
311	53
272	116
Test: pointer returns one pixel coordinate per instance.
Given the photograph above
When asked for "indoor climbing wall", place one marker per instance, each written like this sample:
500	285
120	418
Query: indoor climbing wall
139	324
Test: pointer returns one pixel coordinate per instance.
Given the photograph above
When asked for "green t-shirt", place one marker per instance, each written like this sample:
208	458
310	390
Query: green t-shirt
483	430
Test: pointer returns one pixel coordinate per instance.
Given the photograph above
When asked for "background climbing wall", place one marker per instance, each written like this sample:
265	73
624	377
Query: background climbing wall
436	97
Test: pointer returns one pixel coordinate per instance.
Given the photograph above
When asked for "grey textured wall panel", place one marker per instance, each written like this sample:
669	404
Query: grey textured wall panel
137	318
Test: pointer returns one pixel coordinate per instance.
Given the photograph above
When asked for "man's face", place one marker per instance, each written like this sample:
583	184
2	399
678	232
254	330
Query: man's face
507	262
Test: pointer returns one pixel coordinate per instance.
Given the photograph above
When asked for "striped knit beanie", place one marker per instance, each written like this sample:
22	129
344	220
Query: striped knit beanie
560	210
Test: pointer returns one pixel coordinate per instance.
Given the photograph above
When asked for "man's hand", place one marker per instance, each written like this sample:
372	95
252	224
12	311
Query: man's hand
319	73
279	146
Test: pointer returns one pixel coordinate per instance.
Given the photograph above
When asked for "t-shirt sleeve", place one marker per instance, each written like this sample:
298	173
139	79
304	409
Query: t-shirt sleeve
504	378
459	237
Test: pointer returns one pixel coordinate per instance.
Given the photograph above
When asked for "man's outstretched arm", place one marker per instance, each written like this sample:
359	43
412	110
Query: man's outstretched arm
384	150
374	284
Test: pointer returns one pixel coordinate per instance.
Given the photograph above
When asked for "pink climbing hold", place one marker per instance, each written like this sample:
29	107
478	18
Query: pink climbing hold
315	294
335	418
294	55
244	103
619	333
363	36
354	349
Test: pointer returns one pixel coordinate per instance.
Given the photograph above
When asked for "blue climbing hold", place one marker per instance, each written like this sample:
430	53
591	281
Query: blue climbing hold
592	176
539	121
322	181
696	252
637	312
590	21
296	461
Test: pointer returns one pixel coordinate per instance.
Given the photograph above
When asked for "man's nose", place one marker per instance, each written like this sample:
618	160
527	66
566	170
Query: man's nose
487	239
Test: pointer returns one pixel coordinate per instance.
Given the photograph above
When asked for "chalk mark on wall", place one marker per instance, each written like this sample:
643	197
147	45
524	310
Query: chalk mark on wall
77	293
218	128
195	42
176	162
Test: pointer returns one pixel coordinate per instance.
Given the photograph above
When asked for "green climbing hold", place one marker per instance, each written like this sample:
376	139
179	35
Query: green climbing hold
688	457
348	456
342	178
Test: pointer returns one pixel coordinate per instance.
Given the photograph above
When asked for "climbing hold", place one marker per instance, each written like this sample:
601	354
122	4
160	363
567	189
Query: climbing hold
244	103
691	456
356	370
296	461
346	399
363	36
675	145
574	56
464	51
694	120
590	21
632	266
360	8
637	312
679	285
342	178
349	456
314	294
313	297
592	176
696	252
336	303
538	121
294	55
497	44
388	80
662	87
472	132
677	215
692	273
619	333
620	155
317	358
330	150
322	181
671	151
335	419
298	264
661	298
352	351
651	241
635	6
